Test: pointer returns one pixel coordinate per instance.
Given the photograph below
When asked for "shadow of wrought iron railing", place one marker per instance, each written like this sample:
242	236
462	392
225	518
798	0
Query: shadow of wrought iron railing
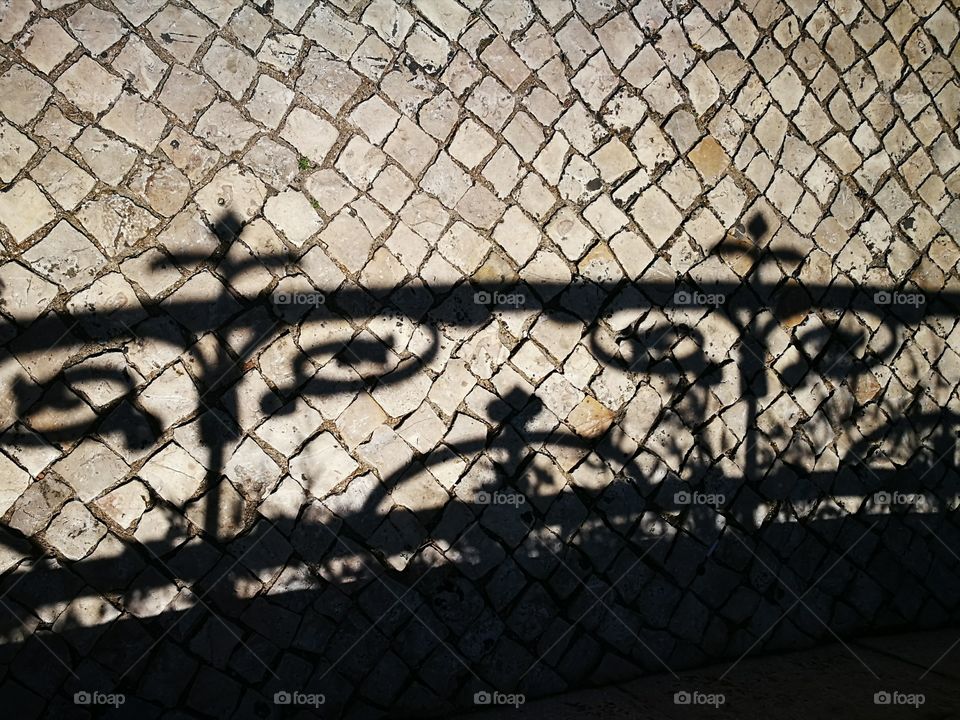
631	326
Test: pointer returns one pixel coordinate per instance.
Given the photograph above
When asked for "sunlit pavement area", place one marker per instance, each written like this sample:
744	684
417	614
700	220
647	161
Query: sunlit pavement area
379	359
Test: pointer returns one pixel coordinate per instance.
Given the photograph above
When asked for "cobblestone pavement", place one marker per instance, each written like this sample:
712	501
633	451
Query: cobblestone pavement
384	353
822	682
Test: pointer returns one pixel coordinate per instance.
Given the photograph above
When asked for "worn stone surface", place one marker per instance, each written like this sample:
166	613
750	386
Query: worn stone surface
588	334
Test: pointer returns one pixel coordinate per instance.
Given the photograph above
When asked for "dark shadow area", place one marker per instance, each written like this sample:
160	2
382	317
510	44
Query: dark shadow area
757	227
617	575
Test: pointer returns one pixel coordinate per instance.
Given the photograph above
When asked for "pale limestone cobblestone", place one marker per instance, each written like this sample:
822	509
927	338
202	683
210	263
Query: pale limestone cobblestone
340	338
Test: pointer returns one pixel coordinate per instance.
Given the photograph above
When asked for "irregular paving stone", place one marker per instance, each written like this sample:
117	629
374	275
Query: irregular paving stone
290	427
72	417
348	241
161	185
190	156
138	11
219	12
14	482
291	213
88	86
23	294
16	15
202	302
96	29
45	332
151	271
185	93
115	222
66	257
74	532
410	146
270	101
223	125
33	509
126	504
252	470
170	397
389	20
227	514
179	32
329	31
22	94
91	613
16	150
24	210
310	134
102	378
173	474
188	238
63	179
281	51
327	82
273	163
109	159
140	65
137	122
231	68
232	191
